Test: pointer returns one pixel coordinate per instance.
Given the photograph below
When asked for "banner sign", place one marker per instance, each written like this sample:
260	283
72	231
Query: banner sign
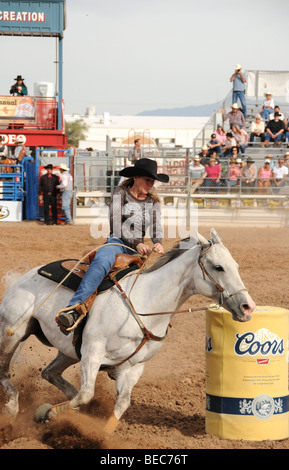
17	108
10	211
32	18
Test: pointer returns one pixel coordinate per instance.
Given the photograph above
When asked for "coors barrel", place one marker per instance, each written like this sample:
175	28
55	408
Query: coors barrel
247	375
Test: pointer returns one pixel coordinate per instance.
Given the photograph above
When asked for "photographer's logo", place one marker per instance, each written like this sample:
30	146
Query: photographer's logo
4	212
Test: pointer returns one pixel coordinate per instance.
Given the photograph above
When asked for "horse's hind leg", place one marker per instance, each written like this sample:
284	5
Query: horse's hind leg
53	374
11	392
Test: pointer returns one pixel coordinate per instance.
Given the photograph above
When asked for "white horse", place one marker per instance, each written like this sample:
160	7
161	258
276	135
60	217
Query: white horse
112	336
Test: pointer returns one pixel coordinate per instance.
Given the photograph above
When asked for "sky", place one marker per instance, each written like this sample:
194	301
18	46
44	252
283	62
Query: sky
128	56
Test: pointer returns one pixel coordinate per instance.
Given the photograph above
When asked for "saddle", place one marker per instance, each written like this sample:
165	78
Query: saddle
57	271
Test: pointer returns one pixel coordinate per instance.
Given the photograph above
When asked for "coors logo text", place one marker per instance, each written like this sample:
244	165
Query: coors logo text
251	343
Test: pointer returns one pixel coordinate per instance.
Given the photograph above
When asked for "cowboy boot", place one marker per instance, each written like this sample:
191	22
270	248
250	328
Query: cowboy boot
67	318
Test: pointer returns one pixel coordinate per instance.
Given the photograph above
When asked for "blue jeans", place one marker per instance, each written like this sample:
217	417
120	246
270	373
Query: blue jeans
277	139
215	185
241	96
104	259
266	113
66	201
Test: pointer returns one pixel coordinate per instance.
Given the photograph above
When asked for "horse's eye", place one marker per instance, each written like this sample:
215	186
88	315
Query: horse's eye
218	268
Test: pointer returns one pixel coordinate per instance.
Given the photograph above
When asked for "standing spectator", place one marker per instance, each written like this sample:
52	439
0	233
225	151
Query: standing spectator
265	175
257	129
235	116
249	174
275	131
66	189
20	149
268	106
3	150
136	152
280	173
220	134
48	186
212	176
214	144
239	87
241	137
19	88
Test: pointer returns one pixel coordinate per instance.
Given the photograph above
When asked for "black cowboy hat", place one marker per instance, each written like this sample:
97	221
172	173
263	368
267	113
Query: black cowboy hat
145	167
19	77
49	167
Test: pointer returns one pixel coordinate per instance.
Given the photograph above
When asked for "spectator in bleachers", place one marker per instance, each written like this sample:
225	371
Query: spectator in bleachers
239	162
241	137
249	174
280	172
276	110
235	116
204	157
196	170
270	157
286	159
234	173
265	175
257	129
275	130
212	176
220	134
214	144
268	106
239	86
286	122
235	152
229	144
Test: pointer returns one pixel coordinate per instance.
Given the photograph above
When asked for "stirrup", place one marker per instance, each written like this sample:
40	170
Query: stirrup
69	318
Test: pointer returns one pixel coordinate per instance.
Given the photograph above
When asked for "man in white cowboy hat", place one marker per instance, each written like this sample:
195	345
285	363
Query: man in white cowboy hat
239	87
268	105
196	169
236	117
20	149
66	189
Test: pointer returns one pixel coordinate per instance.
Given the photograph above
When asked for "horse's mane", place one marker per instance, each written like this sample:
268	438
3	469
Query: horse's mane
178	249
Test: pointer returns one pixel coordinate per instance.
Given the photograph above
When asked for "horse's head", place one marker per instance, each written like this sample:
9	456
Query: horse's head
220	278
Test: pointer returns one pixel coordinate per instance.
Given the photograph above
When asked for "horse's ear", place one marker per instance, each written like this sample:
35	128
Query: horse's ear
215	237
202	240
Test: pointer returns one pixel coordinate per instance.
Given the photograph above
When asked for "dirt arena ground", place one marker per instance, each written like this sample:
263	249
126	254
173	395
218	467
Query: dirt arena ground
168	403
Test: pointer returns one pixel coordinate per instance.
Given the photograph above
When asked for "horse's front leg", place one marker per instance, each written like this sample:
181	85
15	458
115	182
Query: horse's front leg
126	378
90	363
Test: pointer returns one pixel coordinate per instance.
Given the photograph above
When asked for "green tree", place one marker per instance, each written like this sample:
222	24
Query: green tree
75	131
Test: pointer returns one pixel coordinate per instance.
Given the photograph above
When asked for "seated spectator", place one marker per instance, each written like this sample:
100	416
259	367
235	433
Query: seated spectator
276	110
286	159
214	144
234	174
274	131
235	116
280	173
286	123
249	174
220	134
212	176
268	106
257	129
196	170
265	175
3	150
235	152
239	162
241	137
19	88
204	154
229	144
270	157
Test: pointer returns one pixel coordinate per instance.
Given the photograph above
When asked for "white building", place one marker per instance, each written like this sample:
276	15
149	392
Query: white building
164	131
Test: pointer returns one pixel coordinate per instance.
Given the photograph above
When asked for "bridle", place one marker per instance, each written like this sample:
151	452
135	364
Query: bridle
222	298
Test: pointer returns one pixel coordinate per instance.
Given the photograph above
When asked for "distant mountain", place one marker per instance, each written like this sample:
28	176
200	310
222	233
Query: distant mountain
203	110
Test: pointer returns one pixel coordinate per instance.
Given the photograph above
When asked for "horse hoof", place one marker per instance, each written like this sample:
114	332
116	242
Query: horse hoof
43	413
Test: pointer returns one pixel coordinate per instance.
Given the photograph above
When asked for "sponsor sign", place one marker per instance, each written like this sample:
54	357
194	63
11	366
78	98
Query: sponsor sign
17	108
10	211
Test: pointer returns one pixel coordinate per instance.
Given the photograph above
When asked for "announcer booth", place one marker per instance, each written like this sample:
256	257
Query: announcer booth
37	119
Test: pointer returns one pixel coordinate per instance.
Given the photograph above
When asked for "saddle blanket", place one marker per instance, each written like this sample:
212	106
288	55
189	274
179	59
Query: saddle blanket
56	271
